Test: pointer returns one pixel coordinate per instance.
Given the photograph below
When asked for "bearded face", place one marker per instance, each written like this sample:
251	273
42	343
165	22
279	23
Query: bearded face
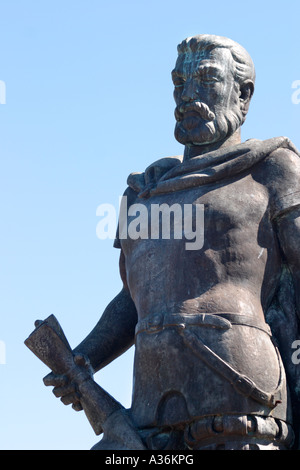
206	96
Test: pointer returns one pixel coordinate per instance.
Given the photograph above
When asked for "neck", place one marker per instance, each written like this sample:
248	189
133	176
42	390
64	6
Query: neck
192	150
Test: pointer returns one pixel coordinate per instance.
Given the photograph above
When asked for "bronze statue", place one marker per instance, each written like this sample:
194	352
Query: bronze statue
212	326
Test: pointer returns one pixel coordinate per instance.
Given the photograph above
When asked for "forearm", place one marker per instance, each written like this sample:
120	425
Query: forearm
113	334
288	230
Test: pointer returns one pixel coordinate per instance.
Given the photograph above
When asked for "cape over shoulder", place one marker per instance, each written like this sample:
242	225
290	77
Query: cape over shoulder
174	174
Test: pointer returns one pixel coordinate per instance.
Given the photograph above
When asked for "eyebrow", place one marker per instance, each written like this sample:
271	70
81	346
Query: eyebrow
213	69
203	68
175	73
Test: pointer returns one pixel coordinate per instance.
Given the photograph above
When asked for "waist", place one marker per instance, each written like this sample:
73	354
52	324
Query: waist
156	322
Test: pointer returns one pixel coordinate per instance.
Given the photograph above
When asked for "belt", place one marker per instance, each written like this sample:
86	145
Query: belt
222	321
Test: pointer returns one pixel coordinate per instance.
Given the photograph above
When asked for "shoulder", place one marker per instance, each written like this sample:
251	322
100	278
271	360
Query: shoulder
282	179
283	161
280	163
279	173
130	194
152	174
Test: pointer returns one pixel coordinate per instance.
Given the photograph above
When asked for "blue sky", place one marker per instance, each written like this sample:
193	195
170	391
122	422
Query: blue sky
89	100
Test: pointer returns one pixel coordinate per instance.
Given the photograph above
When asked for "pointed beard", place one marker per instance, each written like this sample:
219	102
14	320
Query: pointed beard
187	132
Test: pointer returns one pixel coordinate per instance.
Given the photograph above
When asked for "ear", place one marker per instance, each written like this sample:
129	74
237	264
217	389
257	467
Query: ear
246	93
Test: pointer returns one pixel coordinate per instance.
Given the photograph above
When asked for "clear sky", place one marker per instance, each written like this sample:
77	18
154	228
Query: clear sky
88	99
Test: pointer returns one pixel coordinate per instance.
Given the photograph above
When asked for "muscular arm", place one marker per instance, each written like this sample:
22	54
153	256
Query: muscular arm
280	174
114	333
288	229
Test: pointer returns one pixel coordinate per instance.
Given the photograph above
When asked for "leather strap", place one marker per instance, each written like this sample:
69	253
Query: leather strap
240	382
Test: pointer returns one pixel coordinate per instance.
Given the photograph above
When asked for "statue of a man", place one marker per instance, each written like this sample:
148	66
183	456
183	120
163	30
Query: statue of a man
208	324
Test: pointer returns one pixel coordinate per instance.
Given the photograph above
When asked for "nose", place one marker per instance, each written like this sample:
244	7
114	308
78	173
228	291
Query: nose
189	91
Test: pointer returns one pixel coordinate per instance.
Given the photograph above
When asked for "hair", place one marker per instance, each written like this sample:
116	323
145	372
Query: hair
244	66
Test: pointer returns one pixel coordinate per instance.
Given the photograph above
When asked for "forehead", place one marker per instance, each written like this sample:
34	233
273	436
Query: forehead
188	63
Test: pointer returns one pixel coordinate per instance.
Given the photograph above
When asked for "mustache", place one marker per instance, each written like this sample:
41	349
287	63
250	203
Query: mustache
195	106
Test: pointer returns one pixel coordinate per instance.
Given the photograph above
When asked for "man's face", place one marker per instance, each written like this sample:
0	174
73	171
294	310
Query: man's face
206	96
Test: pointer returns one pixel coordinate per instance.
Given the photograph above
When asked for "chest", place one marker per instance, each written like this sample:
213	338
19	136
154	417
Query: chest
210	211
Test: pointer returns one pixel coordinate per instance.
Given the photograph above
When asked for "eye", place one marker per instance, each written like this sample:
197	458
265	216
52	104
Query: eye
208	76
177	80
207	79
178	83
